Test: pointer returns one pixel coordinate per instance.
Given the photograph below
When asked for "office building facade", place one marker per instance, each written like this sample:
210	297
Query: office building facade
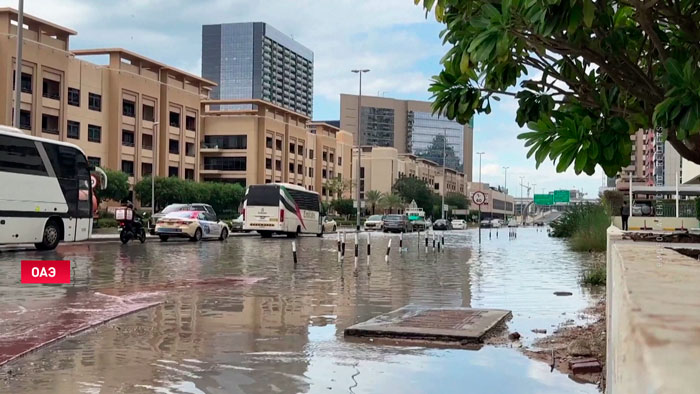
410	127
253	60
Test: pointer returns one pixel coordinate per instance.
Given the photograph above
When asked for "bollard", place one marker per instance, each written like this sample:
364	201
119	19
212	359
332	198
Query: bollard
369	252
438	246
496	234
357	252
343	245
400	242
339	246
442	239
294	251
426	241
433	241
388	249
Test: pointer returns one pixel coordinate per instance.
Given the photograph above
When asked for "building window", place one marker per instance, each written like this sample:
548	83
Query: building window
127	138
25	83
73	130
148	113
94	161
325	156
311	154
300	150
174	146
128	108
146	169
51	89
268	180
311	172
49	124
268	164
278	145
74	97
226	141
173	171
268	142
189	174
189	149
300	169
225	163
278	165
147	142
340	161
291	168
174	119
94	102
94	133
25	120
323	191
128	167
191	123
324	173
362	172
292	148
332	158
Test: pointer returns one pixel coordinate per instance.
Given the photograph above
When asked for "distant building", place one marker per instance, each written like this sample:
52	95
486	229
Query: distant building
410	127
253	60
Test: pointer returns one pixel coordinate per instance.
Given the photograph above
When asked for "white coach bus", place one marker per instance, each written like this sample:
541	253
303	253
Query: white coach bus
281	208
45	191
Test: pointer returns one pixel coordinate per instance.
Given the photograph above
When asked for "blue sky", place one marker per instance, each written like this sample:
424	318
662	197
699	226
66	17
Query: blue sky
391	37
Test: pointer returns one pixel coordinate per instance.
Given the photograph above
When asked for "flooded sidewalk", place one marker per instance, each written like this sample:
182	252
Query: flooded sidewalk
285	333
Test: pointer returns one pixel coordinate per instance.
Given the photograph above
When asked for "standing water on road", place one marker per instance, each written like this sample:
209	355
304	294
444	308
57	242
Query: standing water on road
285	333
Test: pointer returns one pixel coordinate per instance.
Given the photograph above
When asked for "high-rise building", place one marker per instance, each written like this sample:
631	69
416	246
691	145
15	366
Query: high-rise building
410	127
253	60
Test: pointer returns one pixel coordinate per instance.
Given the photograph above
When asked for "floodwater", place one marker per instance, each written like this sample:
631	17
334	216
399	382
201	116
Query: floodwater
285	333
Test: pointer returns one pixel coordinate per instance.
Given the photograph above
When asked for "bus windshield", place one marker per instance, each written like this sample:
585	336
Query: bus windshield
263	195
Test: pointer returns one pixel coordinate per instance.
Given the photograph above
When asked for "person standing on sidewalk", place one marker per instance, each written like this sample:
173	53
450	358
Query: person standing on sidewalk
625	214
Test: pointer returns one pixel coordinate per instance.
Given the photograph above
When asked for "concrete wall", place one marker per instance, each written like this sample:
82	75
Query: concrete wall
657	223
653	318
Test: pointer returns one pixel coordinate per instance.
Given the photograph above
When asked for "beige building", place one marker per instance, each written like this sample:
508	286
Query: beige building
109	110
410	127
498	204
269	143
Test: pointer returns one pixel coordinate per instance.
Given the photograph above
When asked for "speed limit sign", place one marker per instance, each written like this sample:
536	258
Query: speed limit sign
479	198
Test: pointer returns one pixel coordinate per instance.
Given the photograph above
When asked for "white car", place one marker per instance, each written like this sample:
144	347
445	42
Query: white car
512	223
459	224
195	225
496	223
329	225
374	222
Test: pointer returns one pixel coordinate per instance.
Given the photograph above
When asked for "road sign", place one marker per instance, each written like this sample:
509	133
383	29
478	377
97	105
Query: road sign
479	198
562	196
544	199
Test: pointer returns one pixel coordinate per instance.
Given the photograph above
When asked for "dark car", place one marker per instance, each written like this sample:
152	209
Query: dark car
396	224
442	224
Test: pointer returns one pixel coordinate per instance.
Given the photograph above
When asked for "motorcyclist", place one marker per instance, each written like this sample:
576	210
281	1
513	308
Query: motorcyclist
137	218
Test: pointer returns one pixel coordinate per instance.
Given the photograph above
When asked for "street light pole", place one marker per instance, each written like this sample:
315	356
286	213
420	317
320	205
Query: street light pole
359	148
522	202
18	66
479	153
154	169
505	179
444	174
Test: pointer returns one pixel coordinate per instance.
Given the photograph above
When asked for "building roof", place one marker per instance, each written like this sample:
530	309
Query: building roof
29	19
127	54
248	101
333	128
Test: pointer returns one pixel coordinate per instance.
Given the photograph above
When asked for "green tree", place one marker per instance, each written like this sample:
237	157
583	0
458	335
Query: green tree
337	186
373	197
586	73
457	200
414	189
117	186
343	206
392	201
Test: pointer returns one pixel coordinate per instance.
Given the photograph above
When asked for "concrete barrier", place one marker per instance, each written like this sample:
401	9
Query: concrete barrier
657	223
653	318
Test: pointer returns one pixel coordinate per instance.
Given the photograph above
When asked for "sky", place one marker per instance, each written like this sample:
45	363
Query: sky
392	38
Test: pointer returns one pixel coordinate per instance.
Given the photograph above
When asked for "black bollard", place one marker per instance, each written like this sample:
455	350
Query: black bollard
294	251
388	249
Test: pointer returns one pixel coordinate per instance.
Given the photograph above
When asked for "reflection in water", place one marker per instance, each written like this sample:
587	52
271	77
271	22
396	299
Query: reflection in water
284	334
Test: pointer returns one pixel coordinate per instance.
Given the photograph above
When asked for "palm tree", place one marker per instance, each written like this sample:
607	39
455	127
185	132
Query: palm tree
391	201
373	197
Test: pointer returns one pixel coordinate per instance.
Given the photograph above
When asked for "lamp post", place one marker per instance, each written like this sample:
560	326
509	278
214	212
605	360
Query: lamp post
359	148
522	202
153	170
505	179
444	174
480	153
18	66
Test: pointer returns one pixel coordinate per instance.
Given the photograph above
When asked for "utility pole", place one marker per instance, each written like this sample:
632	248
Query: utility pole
359	148
154	172
18	66
522	202
480	154
444	174
505	179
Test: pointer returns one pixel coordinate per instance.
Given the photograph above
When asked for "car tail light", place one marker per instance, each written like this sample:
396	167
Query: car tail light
281	215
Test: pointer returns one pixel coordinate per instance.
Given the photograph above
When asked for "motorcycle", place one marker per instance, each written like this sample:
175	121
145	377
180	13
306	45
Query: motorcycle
130	225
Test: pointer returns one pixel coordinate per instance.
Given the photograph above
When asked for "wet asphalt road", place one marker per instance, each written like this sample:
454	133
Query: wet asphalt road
285	333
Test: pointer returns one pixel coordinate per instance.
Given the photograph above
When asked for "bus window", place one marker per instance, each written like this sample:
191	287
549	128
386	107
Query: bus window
263	195
20	156
72	172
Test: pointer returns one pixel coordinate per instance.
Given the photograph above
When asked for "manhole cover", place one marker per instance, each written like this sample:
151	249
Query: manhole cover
439	324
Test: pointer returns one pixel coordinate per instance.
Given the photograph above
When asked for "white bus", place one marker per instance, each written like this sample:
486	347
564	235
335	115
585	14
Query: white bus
45	191
281	208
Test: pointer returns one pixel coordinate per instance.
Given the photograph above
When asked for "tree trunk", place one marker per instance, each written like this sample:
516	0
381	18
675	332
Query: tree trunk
688	148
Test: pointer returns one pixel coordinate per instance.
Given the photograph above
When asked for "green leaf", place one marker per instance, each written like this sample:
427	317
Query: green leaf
581	159
588	12
565	160
575	18
464	62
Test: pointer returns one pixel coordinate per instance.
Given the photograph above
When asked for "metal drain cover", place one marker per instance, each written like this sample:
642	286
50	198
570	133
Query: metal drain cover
466	325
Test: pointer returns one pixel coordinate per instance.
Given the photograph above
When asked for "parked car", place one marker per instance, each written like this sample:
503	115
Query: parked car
195	225
329	225
428	223
237	224
396	224
418	225
174	208
459	224
374	222
496	223
512	223
442	224
485	223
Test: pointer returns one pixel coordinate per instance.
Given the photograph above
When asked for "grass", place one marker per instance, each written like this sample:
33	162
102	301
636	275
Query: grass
595	276
585	225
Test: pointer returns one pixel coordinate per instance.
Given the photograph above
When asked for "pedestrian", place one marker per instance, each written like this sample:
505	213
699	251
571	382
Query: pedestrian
625	214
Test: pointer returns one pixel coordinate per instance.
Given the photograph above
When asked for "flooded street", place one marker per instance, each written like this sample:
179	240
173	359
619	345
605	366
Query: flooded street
274	327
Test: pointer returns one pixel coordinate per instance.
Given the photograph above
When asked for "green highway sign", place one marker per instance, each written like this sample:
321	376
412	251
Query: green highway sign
544	199
561	196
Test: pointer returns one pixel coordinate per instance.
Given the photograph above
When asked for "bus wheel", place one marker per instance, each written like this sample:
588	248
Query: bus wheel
51	236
